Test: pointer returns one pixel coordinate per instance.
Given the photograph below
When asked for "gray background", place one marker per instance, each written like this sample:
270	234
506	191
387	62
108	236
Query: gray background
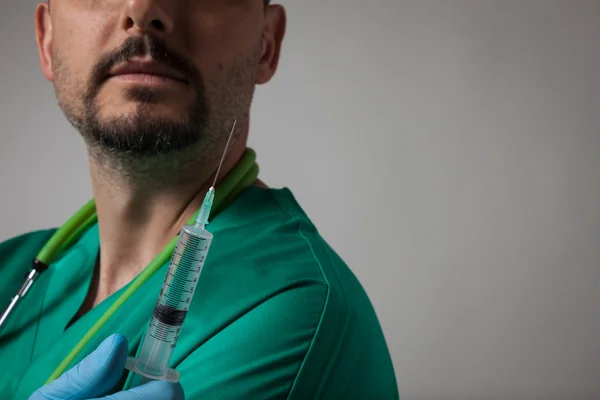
460	139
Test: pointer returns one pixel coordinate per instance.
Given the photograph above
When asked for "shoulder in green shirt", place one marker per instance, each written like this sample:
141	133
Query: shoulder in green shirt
276	315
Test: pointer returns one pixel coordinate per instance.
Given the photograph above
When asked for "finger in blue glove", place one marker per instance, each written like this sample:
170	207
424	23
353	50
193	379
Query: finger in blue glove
100	372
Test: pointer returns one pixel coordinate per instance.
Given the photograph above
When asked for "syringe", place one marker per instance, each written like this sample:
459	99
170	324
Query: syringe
175	297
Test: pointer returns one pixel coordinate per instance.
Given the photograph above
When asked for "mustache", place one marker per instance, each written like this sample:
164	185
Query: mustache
140	46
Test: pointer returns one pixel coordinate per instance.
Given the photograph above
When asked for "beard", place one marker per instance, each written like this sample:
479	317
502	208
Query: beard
141	135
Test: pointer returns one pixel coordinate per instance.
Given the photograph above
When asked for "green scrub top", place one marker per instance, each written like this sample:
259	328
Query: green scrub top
277	314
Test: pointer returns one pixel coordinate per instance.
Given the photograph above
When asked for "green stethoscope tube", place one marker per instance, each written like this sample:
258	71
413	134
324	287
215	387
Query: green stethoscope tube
242	176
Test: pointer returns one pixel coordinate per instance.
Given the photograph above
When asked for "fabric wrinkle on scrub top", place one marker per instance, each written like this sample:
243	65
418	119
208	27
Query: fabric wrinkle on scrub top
276	314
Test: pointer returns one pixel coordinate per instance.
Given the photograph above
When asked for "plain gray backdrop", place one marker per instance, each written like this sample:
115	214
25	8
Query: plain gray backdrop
449	150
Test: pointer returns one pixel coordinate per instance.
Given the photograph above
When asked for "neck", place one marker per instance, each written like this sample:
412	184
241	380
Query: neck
138	218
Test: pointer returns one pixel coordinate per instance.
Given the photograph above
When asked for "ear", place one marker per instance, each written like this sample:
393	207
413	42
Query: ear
272	39
43	36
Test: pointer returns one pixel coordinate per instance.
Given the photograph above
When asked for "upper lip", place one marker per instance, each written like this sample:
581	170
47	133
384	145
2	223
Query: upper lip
147	67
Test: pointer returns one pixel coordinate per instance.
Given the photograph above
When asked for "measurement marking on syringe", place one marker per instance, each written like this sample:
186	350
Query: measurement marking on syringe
162	333
186	280
161	339
180	288
189	259
174	282
185	269
163	327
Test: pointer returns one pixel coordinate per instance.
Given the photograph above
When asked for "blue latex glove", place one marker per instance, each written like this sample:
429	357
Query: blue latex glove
99	372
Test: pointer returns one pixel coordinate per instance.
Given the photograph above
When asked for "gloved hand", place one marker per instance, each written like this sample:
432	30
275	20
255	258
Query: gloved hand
99	372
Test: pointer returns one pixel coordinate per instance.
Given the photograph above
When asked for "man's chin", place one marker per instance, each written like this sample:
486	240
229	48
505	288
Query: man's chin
143	125
141	134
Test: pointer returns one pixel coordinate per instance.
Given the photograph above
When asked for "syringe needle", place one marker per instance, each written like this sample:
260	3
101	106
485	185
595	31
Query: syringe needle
224	153
205	209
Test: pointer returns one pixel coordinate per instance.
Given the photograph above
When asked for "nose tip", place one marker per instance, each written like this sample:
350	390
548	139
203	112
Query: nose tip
147	16
154	25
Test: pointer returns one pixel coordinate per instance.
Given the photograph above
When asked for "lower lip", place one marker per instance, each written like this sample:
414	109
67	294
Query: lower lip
146	79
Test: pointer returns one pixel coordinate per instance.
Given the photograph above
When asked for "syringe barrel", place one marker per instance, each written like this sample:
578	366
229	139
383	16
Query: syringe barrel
174	300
